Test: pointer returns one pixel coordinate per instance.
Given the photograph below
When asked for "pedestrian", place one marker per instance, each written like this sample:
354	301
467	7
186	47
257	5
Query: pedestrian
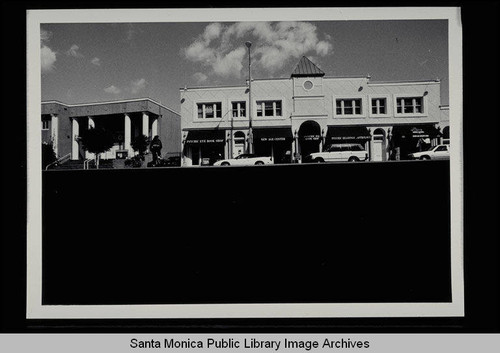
155	148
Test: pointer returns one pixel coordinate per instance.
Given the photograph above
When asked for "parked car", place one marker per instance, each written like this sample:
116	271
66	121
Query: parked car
245	159
345	152
436	152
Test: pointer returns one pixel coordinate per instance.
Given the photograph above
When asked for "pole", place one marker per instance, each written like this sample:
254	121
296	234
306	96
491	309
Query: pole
250	131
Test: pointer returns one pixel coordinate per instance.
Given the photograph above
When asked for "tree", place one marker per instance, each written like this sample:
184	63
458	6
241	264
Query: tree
97	140
140	144
48	154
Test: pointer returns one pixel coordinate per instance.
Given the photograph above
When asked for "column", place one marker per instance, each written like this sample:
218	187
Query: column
145	124
54	132
128	135
154	127
75	130
91	124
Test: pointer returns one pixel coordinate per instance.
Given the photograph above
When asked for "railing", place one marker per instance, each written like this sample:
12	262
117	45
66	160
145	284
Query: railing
60	160
86	163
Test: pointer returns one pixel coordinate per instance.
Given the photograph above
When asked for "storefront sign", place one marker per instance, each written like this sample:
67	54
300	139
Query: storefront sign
205	141
341	138
272	139
311	137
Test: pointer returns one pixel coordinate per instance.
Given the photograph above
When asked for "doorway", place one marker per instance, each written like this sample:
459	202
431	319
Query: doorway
378	150
309	138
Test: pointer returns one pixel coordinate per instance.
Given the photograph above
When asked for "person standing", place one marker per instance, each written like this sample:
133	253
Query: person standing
155	148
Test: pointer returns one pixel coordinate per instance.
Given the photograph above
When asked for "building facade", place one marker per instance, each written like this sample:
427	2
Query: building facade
126	119
293	117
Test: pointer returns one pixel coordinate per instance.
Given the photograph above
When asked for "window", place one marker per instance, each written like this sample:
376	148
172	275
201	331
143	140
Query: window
348	106
269	108
239	109
409	105
45	124
441	148
379	106
209	110
308	85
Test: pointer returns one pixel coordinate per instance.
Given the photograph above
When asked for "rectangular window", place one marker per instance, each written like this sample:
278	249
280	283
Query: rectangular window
239	109
379	106
409	105
348	106
269	108
45	124
209	110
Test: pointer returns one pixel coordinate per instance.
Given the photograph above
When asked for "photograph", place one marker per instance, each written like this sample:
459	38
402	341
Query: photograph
223	163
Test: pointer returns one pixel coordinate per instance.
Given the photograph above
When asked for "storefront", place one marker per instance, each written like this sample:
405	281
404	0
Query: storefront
274	142
348	134
406	139
202	147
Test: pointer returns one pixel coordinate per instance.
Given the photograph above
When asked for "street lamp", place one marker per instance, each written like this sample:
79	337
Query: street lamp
250	131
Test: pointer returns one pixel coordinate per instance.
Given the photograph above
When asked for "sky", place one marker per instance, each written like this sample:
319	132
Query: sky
86	62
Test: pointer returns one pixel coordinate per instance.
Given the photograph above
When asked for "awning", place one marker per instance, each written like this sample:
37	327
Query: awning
419	131
205	136
347	133
272	135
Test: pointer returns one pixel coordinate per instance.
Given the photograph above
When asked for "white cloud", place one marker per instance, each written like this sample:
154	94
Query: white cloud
74	51
112	89
96	61
47	59
200	77
275	46
45	35
138	85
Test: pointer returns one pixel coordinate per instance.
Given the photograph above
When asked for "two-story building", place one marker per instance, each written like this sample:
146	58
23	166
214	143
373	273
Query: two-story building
126	119
309	111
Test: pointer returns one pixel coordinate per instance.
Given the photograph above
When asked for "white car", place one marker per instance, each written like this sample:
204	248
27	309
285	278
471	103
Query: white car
245	159
436	152
346	152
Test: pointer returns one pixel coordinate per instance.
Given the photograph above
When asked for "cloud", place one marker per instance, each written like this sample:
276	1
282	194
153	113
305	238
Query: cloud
74	51
200	77
138	85
112	89
96	61
47	59
220	48
45	35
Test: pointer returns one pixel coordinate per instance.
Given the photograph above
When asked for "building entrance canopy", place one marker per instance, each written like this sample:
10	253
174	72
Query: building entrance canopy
273	135
347	133
420	131
205	137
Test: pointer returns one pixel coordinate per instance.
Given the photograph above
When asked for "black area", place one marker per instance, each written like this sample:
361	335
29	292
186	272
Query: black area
367	232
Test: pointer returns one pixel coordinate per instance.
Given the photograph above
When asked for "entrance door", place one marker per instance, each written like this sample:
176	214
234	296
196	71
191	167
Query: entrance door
378	146
377	150
239	143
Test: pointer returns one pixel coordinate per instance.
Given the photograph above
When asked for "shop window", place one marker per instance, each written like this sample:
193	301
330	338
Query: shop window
45	124
209	110
239	109
409	105
379	106
348	106
269	108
